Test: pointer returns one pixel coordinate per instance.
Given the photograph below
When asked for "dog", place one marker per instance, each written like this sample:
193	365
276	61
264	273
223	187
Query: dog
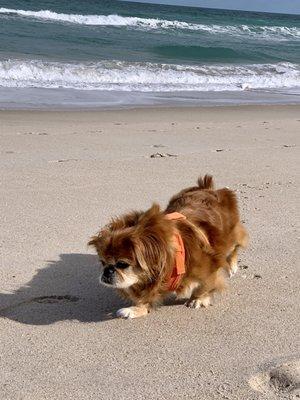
188	248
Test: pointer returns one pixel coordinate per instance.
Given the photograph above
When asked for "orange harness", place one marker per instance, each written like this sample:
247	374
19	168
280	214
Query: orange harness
179	267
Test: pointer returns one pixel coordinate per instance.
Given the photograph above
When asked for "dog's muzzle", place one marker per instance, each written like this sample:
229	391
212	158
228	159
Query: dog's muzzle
108	275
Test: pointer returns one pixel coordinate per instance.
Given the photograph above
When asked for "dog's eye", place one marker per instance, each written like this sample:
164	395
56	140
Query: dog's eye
122	264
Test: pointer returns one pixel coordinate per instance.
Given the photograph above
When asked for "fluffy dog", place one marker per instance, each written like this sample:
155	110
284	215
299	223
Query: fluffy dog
184	249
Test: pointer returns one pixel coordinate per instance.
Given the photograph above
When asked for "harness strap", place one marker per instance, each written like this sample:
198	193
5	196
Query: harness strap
179	266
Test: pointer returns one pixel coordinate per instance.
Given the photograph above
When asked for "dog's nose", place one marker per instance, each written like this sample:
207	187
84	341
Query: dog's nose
108	274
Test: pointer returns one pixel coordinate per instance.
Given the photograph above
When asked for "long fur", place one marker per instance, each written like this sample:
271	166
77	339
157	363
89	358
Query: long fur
211	233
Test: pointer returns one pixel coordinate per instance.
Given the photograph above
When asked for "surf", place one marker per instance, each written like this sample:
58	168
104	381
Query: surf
146	77
279	32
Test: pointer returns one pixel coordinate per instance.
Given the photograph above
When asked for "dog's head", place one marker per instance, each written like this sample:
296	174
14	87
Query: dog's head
133	248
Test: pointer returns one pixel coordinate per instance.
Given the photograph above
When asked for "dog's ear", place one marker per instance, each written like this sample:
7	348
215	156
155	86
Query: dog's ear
93	241
140	253
98	239
149	216
150	241
150	254
124	221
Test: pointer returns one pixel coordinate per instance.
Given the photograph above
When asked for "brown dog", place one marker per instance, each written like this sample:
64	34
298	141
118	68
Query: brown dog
185	249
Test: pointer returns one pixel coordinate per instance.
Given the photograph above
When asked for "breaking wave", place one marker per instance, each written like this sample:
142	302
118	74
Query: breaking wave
145	77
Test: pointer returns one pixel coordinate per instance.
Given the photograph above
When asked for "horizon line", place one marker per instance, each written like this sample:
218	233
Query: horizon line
208	8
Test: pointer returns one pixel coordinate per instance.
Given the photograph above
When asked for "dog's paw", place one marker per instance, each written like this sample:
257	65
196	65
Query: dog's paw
197	303
133	312
126	313
233	269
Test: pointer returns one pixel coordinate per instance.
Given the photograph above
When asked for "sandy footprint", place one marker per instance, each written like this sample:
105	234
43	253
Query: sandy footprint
279	382
161	155
52	299
55	299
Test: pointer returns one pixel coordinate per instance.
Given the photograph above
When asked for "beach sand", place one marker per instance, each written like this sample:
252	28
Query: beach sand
64	174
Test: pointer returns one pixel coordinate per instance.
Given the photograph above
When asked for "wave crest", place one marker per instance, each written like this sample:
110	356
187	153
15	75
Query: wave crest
281	32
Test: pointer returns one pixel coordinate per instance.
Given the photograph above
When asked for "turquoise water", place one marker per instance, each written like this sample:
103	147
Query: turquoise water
119	47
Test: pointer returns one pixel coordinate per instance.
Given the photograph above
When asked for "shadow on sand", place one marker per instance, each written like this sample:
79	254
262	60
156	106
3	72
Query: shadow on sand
67	289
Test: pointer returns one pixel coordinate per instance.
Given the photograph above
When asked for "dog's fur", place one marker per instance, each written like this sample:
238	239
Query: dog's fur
137	250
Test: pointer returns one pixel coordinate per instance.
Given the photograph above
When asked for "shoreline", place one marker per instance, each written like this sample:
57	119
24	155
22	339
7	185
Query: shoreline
162	109
71	99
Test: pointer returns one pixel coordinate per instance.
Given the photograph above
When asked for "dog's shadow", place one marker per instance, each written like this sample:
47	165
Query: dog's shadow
67	289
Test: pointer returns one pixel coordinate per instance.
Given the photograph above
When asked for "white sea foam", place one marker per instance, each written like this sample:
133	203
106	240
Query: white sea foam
279	32
145	77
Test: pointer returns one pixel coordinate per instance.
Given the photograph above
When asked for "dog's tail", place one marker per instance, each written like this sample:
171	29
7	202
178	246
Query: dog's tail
206	182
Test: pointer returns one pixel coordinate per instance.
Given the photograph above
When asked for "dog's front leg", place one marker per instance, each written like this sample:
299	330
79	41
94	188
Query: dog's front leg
201	295
134	312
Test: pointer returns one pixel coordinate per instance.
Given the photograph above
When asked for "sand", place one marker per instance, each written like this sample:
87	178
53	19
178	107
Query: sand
64	174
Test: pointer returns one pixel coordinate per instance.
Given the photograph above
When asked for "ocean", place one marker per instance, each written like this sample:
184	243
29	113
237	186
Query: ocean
106	53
